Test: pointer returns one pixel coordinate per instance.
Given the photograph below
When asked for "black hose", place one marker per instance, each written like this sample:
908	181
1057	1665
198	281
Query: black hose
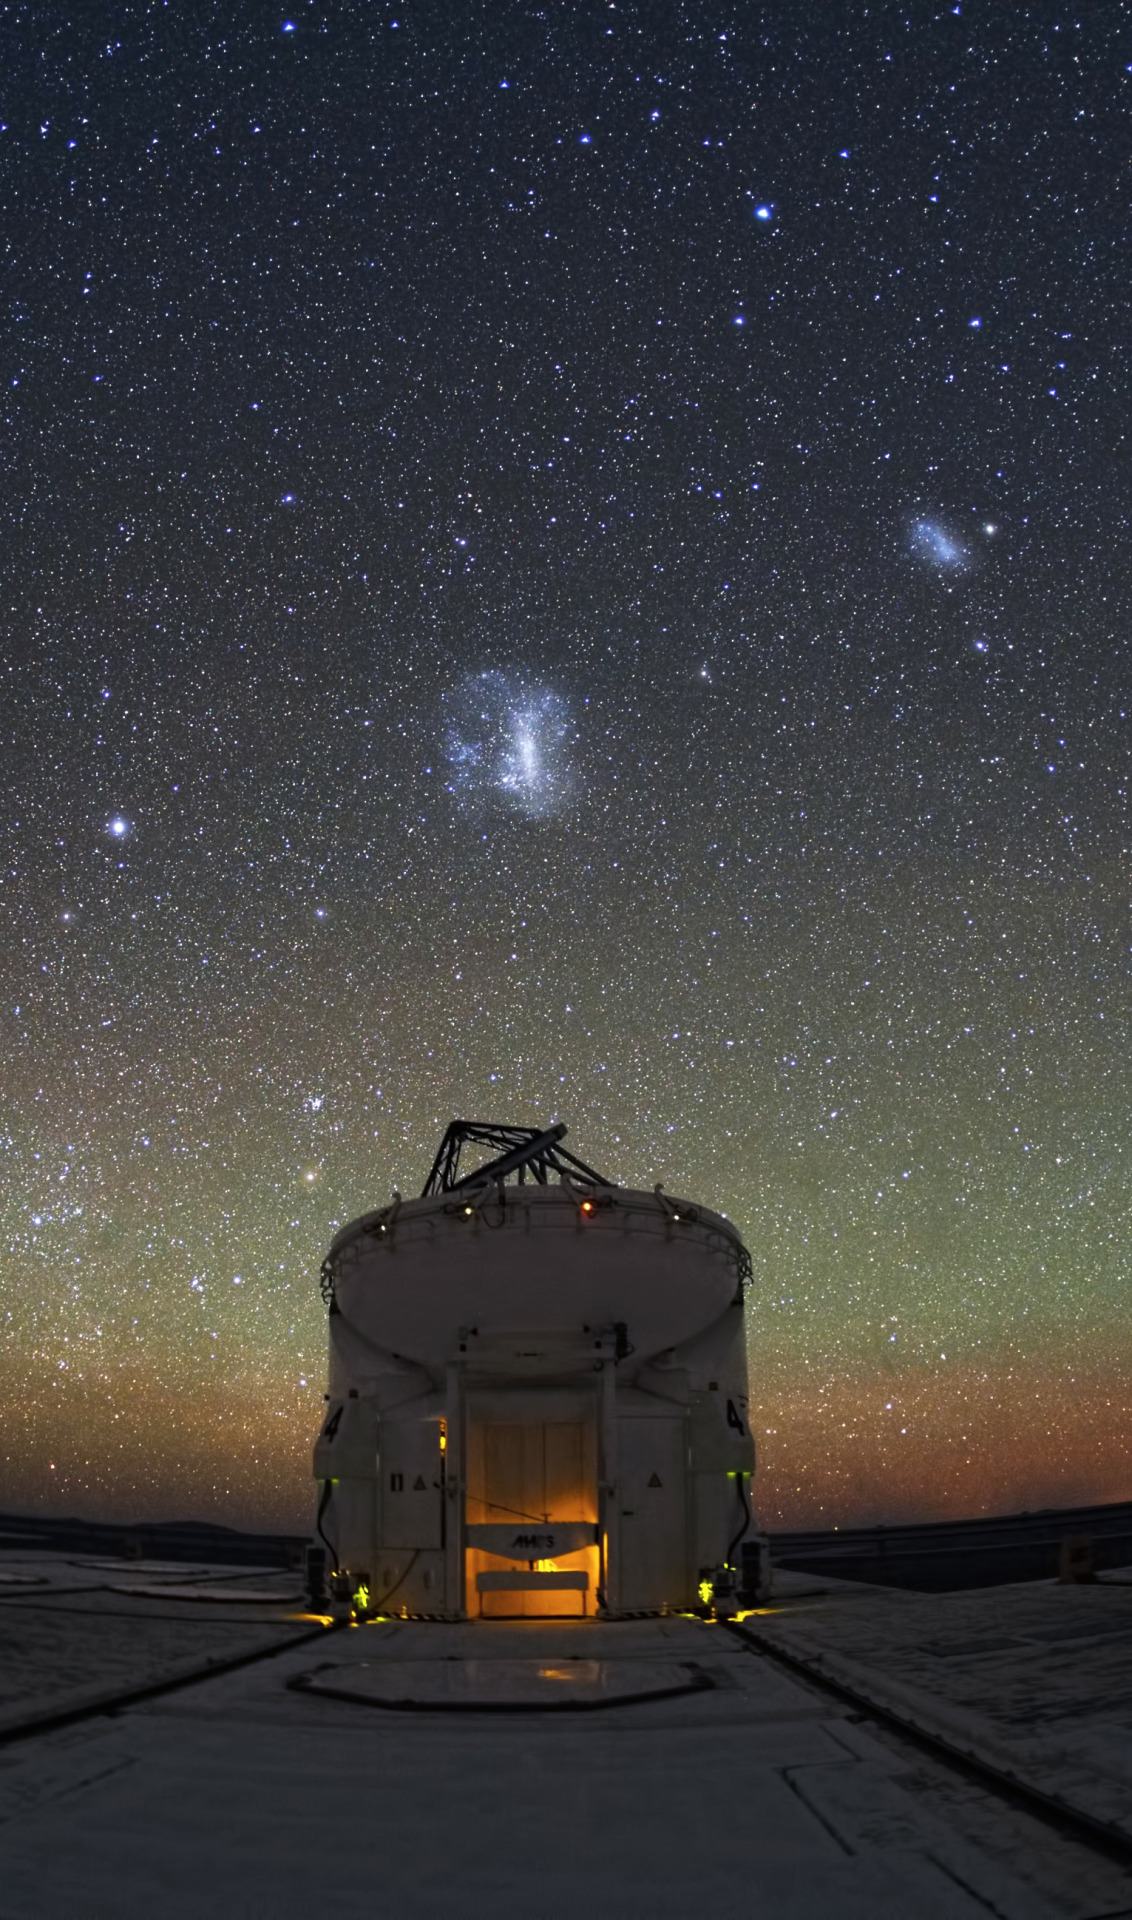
747	1515
390	1591
327	1490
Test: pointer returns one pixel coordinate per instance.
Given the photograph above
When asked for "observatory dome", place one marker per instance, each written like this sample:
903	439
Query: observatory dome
525	1343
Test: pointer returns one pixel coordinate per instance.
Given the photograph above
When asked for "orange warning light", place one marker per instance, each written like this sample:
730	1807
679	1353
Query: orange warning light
587	1206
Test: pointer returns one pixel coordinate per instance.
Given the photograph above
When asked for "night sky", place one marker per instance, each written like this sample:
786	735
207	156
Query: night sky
568	564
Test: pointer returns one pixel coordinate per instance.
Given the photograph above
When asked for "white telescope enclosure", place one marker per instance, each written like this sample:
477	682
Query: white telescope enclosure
537	1394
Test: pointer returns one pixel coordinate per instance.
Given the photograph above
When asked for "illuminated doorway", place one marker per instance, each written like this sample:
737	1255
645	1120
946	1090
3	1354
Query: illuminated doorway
525	1478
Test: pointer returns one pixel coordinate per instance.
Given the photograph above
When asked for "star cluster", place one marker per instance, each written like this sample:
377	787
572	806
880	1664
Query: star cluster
568	562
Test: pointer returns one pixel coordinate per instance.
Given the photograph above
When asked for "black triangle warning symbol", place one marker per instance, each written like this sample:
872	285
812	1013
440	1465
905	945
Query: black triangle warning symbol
655	1481
419	1484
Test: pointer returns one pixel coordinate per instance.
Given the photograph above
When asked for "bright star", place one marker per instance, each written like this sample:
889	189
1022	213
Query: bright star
118	827
763	213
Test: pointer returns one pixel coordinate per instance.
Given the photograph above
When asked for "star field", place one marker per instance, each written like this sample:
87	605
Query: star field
568	563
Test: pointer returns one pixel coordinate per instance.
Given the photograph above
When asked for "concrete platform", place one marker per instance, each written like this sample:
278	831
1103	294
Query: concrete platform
242	1796
1034	1679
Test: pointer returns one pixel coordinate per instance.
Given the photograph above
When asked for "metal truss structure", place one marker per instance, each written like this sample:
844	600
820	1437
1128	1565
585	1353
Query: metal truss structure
522	1151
